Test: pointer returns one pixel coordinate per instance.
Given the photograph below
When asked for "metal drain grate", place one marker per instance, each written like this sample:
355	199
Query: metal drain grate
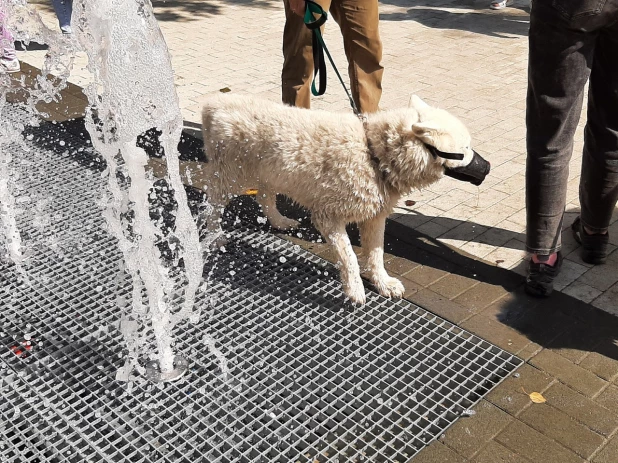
310	378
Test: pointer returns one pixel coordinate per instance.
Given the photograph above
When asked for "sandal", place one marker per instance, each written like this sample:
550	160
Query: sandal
594	247
500	5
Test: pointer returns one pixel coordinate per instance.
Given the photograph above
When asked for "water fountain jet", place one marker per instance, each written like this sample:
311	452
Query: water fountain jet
133	91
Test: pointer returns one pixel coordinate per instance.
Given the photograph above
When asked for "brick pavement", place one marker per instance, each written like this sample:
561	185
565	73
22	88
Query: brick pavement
458	248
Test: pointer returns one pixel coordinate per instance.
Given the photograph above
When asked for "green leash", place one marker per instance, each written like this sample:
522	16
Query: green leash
319	47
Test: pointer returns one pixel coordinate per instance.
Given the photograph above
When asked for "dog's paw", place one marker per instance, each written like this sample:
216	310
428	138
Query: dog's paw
285	223
356	293
390	287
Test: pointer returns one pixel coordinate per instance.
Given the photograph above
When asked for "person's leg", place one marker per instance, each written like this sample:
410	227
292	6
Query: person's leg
297	71
599	180
559	66
8	58
64	10
598	189
7	44
560	58
358	20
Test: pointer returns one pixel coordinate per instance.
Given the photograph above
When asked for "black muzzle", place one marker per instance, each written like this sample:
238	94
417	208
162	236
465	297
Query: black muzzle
475	172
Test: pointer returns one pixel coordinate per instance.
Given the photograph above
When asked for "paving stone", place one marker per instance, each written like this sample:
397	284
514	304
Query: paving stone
529	351
603	320
477	249
535	446
432	229
601	365
508	255
511	306
413	220
582	291
576	342
425	275
410	286
512	394
607	301
498	236
440	305
609	399
496	332
547	320
437	452
598	277
583	409
496	453
480	296
570	272
609	453
468	435
400	266
562	428
452	285
467	231
573	375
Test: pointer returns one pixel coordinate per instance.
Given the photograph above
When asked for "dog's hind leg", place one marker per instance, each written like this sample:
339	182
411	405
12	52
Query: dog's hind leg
268	200
372	241
337	236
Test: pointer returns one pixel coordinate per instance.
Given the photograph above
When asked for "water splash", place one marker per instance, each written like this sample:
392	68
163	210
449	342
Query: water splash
27	26
133	91
214	350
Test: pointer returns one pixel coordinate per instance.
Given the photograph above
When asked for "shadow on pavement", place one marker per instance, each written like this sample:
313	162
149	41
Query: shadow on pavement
192	10
502	23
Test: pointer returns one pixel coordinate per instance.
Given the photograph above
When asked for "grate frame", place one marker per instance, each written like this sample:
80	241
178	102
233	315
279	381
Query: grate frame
311	378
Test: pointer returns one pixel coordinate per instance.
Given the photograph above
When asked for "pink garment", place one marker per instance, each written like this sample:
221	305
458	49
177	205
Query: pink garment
7	45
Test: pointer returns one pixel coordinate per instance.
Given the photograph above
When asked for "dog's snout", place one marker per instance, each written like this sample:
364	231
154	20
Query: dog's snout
475	172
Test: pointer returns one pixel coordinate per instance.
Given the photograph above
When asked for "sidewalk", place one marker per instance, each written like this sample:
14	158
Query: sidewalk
453	245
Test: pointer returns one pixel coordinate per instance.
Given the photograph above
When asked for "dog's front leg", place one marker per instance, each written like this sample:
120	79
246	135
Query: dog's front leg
349	270
372	241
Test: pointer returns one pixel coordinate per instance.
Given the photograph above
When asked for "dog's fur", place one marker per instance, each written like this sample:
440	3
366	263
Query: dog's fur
340	169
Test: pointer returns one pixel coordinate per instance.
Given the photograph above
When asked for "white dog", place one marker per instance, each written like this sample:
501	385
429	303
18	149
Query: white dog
341	169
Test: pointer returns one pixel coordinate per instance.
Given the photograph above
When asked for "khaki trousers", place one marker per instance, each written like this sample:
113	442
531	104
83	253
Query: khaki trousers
358	21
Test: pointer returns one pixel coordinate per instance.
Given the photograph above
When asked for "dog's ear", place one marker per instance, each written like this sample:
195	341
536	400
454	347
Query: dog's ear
416	103
425	131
